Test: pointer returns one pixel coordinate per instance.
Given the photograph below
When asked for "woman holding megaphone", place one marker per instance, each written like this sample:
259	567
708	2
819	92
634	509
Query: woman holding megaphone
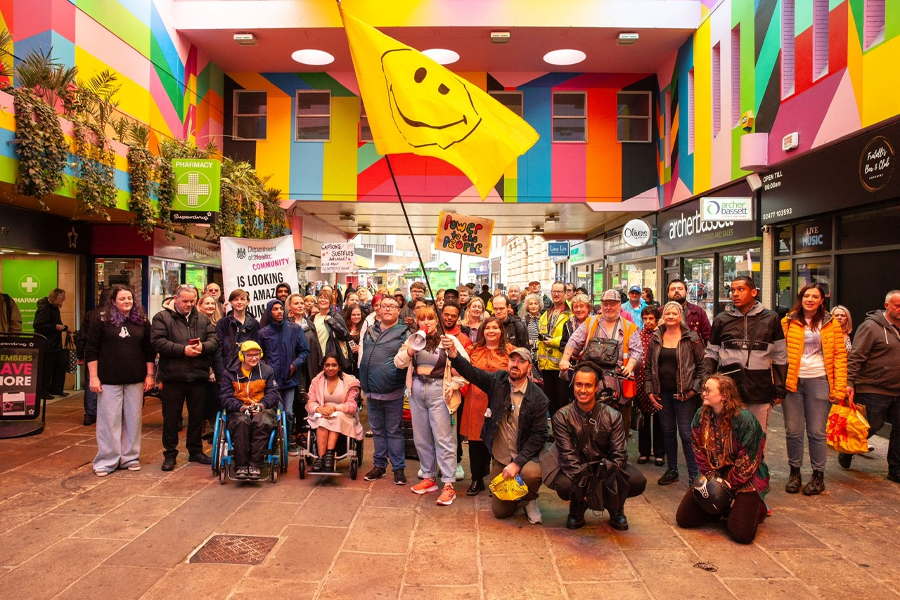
431	382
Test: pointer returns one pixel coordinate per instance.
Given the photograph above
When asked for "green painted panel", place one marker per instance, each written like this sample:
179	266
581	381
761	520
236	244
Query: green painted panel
858	8
120	21
366	156
9	169
803	16
324	81
768	56
174	88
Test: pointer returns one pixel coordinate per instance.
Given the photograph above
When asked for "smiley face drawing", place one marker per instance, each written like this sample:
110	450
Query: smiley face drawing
430	107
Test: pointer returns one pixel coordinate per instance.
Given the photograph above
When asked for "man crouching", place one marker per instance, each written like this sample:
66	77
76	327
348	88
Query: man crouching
249	393
590	439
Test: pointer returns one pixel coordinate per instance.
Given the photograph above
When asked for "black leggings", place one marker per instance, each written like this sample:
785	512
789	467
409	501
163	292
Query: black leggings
747	512
479	459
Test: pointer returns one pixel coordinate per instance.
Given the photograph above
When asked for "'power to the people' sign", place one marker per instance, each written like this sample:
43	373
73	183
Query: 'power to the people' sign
196	190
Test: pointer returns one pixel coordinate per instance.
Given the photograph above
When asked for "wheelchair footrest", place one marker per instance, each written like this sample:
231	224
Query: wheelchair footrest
325	473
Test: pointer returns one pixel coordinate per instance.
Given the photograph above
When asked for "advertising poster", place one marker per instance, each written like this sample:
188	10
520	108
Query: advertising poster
338	258
462	234
26	282
257	267
19	377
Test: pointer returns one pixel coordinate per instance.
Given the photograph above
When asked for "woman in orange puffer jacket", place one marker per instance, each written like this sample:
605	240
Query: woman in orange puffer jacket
817	377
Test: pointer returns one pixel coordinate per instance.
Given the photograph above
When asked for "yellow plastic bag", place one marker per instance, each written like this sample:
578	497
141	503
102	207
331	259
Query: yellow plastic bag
508	489
848	429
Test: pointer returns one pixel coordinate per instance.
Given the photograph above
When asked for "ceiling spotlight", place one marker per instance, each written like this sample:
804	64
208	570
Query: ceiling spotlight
627	38
316	58
441	56
563	58
537	229
554	218
499	37
245	39
362	229
347	217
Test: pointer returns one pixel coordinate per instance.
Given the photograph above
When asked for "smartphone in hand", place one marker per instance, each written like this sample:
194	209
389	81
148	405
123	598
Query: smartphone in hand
193	341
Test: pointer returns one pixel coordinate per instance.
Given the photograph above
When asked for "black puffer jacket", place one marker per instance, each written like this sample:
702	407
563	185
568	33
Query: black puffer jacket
690	356
45	321
516	332
532	414
606	442
170	333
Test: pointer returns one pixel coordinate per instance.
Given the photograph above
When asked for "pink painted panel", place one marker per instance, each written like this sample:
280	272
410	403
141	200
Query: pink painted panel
568	168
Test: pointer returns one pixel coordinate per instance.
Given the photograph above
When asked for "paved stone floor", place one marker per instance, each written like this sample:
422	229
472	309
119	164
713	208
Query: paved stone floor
65	533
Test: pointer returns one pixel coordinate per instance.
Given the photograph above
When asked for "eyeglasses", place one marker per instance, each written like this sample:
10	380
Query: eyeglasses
389	307
251	356
557	291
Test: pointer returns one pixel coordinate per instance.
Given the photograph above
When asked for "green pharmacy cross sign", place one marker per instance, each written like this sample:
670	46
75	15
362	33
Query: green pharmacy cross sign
196	190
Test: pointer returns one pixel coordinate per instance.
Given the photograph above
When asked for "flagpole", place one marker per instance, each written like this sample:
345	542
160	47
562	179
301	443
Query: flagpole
387	159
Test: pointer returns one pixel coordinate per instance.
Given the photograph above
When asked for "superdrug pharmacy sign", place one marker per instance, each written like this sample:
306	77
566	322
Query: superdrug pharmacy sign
855	172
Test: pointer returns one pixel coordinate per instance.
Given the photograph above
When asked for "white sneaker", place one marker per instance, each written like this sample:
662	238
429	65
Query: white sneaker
460	473
420	474
134	467
533	512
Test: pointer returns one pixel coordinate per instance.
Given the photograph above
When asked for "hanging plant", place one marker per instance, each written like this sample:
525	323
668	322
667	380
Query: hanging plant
91	105
273	214
142	168
40	145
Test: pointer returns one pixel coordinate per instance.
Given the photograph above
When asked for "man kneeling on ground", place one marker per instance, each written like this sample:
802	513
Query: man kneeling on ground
249	395
515	424
588	432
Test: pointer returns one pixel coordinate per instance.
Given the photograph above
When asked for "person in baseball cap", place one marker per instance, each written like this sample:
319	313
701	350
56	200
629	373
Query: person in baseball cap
635	305
515	424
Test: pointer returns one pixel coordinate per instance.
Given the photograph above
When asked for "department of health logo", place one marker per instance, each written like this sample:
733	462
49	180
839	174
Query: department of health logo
241	253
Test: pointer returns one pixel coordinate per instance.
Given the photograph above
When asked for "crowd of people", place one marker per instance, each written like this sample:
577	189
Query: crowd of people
544	390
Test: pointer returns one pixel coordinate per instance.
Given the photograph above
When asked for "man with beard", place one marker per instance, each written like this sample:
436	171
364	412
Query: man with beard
694	316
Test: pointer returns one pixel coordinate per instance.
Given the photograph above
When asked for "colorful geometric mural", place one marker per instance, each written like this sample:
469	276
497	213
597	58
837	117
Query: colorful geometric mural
855	87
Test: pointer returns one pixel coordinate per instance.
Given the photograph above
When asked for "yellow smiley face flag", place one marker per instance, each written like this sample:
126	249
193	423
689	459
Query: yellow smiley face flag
415	105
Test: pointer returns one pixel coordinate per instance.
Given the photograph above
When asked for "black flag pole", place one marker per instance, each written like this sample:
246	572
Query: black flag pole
387	159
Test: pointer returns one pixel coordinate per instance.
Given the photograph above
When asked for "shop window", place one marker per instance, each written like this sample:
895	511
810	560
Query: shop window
784	295
736	76
737	264
365	132
815	271
717	89
690	114
250	108
118	271
820	38
569	116
698	276
633	116
874	22
787	48
313	116
876	228
511	100
785	241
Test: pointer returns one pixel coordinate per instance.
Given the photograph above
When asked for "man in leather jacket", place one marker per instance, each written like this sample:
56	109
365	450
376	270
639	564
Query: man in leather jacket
606	442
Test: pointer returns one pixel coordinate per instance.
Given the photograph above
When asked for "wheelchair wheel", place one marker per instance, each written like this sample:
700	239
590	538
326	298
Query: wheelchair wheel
354	468
285	444
301	466
223	474
273	472
214	459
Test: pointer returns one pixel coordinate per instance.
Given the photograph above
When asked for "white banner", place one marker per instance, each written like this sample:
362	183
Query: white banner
338	258
257	267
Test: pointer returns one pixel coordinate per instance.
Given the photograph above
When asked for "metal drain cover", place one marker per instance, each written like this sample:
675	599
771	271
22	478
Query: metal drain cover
235	549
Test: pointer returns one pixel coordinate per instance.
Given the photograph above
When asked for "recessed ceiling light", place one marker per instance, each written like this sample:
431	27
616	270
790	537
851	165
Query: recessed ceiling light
441	56
628	38
564	58
34	253
312	57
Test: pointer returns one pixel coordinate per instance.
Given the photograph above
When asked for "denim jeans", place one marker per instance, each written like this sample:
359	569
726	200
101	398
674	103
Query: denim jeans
433	430
879	407
286	404
385	419
806	410
675	418
90	402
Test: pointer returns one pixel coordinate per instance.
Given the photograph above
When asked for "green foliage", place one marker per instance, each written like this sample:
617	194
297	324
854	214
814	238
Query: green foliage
40	144
143	167
273	214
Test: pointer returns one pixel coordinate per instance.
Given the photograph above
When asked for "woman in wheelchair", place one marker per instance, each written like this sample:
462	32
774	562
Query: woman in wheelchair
249	395
332	411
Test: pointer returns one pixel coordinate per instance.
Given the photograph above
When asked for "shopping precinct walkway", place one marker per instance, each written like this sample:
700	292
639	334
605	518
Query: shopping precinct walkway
65	533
